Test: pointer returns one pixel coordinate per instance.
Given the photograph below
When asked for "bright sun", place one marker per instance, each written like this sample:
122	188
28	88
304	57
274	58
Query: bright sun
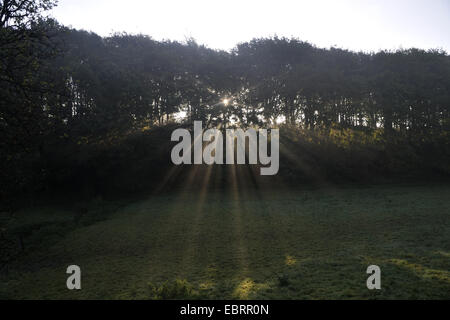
225	101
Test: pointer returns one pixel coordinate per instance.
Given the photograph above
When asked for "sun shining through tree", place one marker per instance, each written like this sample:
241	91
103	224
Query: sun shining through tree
280	169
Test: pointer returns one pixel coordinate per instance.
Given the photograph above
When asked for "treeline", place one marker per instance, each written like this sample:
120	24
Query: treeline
95	85
64	89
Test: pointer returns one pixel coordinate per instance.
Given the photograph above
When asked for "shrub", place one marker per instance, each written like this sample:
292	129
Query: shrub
169	290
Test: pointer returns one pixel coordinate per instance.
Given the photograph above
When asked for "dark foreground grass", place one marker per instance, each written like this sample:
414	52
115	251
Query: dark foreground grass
303	244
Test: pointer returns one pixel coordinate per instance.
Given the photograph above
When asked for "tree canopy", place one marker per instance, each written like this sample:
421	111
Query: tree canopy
65	86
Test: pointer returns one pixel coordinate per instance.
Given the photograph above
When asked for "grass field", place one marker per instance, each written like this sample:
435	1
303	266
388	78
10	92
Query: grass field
302	244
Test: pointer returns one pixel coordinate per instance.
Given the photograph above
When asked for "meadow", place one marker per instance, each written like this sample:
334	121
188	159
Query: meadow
302	243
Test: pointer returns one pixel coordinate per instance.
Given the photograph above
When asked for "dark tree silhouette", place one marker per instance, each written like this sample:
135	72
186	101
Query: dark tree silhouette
67	94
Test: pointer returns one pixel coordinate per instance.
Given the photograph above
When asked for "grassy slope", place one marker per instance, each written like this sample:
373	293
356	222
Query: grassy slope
305	244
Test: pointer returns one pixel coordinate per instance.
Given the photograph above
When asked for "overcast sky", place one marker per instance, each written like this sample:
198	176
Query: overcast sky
367	25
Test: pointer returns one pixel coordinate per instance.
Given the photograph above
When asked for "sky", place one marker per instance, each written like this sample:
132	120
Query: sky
359	25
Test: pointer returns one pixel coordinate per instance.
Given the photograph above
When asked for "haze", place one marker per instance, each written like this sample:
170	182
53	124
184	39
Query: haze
365	25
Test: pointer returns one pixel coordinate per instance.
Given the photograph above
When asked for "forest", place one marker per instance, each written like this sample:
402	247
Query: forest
85	117
69	97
